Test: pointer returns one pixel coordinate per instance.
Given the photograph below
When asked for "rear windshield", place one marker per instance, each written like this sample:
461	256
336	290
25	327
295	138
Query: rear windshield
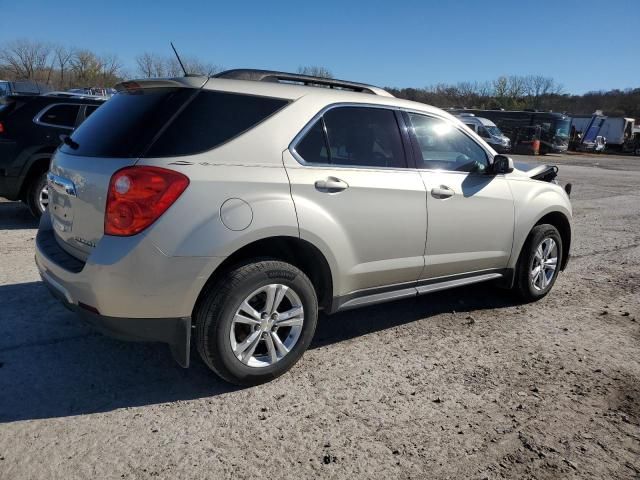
164	122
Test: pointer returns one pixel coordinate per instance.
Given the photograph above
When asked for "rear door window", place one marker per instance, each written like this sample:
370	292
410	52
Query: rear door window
60	115
356	137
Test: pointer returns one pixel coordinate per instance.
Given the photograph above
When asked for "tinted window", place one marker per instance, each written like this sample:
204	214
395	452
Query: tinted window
364	137
61	115
211	119
90	109
313	147
471	126
443	146
126	124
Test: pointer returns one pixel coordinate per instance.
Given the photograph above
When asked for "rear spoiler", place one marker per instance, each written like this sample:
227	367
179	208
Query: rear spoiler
191	81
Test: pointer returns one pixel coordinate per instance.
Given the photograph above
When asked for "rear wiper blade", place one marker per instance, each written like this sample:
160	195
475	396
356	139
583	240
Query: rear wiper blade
66	139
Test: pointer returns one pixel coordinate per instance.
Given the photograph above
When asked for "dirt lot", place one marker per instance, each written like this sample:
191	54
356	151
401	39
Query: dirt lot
463	384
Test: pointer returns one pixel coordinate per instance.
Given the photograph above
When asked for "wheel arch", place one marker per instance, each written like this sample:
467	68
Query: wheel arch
37	165
300	253
560	221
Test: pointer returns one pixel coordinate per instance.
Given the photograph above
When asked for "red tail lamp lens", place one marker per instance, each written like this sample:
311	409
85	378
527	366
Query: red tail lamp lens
138	196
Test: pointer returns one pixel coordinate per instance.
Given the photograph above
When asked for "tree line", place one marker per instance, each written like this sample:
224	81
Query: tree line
64	67
535	92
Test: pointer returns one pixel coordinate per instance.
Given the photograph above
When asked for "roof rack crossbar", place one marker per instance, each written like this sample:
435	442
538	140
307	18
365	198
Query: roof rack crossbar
274	76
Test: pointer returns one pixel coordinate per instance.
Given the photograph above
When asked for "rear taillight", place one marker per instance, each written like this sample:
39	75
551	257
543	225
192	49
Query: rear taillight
138	196
1	127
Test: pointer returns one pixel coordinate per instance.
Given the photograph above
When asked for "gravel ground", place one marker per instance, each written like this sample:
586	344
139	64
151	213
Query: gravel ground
461	384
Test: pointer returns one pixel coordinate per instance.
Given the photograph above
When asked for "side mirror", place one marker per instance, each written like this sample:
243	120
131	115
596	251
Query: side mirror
501	164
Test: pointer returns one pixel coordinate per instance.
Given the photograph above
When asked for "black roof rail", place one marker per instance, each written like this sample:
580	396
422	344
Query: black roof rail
285	77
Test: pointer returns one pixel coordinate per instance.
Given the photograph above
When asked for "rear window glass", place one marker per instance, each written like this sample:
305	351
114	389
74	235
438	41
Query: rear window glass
127	123
164	122
60	115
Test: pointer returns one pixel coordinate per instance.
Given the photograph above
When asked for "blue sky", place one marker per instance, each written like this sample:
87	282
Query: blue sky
583	44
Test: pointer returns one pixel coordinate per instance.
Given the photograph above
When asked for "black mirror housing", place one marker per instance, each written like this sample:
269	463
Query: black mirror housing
501	164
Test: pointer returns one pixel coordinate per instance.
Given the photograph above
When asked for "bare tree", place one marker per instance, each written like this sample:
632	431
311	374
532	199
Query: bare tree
86	66
25	58
196	67
151	65
63	56
144	62
516	87
110	66
500	87
315	71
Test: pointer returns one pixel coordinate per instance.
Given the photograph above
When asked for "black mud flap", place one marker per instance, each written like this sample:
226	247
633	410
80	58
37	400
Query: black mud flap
181	345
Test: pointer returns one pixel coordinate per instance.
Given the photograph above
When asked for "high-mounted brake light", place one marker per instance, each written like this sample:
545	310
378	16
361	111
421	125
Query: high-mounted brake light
138	196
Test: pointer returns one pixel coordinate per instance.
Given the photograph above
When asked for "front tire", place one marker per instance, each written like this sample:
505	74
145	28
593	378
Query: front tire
539	263
255	323
38	195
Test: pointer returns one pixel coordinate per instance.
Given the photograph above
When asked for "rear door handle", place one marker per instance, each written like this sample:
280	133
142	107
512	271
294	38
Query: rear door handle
442	192
331	185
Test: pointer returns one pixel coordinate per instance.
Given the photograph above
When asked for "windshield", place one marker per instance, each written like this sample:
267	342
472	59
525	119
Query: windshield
562	128
493	130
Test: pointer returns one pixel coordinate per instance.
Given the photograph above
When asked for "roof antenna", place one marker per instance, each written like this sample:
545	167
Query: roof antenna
179	61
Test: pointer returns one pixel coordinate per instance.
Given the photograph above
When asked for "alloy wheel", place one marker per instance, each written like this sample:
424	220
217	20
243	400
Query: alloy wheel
43	198
545	262
267	325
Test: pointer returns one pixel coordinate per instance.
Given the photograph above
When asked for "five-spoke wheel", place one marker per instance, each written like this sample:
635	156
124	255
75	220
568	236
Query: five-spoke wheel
255	322
267	325
539	262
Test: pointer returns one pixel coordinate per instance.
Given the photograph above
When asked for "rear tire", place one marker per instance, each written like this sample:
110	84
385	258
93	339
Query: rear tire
37	198
539	263
249	345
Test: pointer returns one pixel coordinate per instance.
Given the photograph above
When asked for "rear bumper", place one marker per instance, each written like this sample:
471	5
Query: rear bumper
127	288
176	332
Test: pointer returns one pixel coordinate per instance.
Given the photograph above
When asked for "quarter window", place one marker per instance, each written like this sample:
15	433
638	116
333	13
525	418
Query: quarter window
355	137
313	147
61	115
443	146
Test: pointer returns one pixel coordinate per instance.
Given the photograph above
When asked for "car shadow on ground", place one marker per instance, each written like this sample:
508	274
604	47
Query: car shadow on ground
53	366
16	216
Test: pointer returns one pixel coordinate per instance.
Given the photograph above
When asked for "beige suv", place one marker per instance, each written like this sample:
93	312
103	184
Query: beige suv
237	207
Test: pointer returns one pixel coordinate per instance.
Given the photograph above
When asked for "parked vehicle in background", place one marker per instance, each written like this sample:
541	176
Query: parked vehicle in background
23	87
618	131
554	127
70	94
30	129
488	130
240	208
96	91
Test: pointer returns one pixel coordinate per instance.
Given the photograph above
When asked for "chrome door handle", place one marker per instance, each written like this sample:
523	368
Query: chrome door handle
331	185
442	192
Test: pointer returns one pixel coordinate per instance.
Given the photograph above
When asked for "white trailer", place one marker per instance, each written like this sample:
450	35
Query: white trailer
617	130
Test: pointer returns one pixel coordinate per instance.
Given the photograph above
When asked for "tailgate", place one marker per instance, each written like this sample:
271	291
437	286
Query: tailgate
78	192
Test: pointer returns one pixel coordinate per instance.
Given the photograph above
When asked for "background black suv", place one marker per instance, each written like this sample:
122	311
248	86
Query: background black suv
30	129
